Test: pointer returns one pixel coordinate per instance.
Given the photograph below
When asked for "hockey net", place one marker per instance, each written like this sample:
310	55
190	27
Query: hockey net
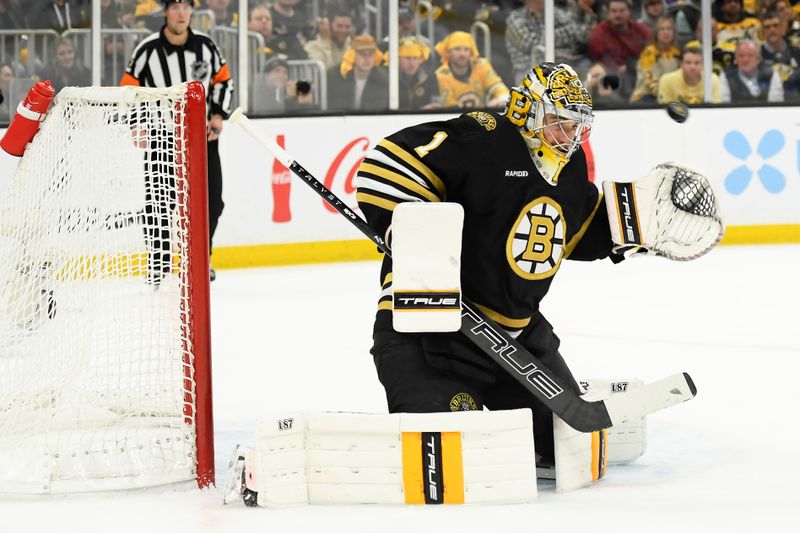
104	343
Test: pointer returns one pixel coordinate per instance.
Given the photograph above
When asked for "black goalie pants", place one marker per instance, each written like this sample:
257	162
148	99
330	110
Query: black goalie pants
427	373
215	203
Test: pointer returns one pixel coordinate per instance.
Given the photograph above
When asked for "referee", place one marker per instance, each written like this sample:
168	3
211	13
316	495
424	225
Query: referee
174	55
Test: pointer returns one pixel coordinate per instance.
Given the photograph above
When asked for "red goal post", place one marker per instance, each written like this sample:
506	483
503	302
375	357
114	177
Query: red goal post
197	163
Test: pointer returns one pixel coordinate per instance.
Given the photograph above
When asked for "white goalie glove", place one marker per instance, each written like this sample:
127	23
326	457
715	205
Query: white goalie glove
672	212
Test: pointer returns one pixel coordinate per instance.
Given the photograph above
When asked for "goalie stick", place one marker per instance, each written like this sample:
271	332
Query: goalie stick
512	357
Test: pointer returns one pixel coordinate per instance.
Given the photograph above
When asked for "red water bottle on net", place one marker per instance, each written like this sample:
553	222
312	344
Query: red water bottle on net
281	188
30	113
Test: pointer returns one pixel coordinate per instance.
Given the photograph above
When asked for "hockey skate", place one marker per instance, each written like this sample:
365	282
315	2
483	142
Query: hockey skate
235	485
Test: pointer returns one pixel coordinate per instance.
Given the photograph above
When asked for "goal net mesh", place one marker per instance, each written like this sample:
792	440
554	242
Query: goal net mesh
97	386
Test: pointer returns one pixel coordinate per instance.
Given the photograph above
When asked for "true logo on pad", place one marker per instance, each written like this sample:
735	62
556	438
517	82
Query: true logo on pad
426	301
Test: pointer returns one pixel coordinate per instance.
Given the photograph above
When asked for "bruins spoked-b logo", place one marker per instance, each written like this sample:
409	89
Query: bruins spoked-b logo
536	243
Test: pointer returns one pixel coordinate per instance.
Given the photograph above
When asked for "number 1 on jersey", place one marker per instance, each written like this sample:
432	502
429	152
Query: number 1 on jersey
424	149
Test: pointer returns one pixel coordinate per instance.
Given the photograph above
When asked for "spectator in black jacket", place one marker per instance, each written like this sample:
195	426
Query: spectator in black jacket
359	82
750	80
59	15
778	54
418	86
289	25
275	93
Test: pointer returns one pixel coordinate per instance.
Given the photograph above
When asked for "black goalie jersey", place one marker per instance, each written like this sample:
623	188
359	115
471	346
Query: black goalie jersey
517	227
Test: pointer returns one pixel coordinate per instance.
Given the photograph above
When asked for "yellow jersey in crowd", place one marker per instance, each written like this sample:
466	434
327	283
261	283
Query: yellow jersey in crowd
482	85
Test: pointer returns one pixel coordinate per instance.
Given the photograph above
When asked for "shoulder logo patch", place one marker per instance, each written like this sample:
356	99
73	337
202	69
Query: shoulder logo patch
484	119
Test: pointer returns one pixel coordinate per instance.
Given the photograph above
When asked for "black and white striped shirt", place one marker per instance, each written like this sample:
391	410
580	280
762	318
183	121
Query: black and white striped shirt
158	63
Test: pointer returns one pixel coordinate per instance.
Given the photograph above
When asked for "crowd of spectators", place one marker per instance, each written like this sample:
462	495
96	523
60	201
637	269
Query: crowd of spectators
629	52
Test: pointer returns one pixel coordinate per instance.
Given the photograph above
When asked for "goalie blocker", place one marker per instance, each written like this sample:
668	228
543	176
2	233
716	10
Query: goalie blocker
672	212
426	266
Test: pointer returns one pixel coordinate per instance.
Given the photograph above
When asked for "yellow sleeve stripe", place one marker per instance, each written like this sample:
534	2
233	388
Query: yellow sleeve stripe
383	203
513	323
578	236
400	180
387	280
417	164
385	305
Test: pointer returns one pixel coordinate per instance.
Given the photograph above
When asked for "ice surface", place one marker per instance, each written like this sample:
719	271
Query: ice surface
298	338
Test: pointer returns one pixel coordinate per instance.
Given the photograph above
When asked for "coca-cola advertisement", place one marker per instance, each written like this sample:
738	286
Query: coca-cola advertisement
340	176
281	188
349	158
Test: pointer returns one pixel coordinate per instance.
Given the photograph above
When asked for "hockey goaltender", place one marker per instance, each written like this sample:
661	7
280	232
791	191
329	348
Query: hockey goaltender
490	203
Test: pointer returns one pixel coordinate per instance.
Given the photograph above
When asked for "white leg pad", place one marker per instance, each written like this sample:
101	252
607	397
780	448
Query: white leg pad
627	441
278	470
350	458
426	266
581	458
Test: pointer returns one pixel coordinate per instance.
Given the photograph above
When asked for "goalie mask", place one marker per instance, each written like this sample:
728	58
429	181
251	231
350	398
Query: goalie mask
553	111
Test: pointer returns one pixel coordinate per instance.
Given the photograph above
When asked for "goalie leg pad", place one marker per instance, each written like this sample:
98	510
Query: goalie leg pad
432	458
582	458
277	472
627	440
426	266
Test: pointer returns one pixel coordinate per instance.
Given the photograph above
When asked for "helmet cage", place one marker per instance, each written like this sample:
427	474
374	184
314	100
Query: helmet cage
568	131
